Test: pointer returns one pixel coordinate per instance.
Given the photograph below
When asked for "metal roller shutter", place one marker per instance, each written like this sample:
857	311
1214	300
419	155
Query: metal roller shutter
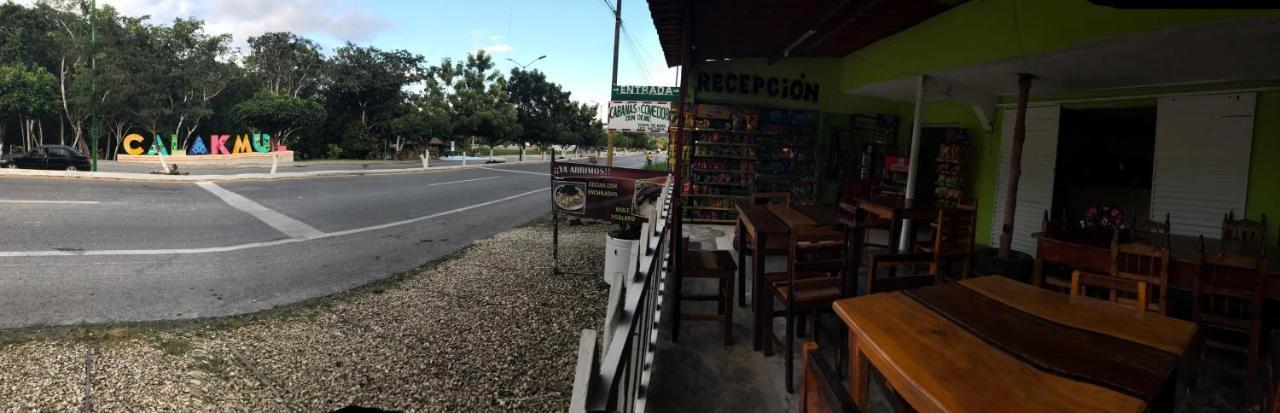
1035	188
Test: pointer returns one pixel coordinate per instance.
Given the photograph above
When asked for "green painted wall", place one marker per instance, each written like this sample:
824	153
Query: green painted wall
824	72
985	30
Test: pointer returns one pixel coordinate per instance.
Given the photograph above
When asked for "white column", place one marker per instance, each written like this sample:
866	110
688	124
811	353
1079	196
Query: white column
912	161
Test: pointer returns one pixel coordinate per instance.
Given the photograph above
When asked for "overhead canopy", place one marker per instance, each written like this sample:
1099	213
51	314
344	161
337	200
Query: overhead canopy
1232	51
435	141
732	29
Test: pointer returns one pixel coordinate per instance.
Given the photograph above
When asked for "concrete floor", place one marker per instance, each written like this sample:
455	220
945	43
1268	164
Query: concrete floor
701	374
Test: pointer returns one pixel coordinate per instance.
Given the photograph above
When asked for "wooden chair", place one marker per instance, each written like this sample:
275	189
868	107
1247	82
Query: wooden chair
1243	229
773	246
1140	261
1082	281
716	265
820	387
1152	227
1228	300
952	239
807	286
915	279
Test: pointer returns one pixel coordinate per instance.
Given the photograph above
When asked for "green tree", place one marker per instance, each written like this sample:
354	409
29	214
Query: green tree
480	102
285	64
27	93
585	128
542	108
366	90
278	115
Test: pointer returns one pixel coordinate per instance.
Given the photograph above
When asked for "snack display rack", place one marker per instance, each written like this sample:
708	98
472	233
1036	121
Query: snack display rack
952	154
737	152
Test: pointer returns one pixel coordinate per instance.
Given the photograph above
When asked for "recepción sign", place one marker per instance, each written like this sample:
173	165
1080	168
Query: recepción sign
639	116
614	194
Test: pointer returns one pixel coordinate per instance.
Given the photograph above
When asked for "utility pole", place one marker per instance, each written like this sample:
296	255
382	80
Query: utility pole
93	87
617	30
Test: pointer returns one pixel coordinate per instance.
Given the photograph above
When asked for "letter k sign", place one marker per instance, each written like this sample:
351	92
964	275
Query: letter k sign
218	144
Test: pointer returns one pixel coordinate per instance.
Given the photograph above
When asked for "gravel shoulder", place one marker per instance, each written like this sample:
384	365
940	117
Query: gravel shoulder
489	328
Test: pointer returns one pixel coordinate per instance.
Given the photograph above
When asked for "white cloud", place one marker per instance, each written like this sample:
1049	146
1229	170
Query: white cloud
342	20
496	48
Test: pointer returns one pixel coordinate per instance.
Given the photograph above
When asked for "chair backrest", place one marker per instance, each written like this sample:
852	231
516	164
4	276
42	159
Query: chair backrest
956	227
1140	261
1228	284
1153	227
1243	229
1116	288
771	198
876	284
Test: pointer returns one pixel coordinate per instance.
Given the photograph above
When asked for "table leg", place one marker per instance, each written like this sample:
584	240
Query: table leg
740	243
859	373
757	285
895	232
1037	272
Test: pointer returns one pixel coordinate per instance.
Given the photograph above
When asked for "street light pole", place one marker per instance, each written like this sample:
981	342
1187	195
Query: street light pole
526	65
617	29
93	87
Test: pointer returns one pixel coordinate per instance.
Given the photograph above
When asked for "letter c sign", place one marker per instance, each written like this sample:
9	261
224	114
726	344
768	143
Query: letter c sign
132	144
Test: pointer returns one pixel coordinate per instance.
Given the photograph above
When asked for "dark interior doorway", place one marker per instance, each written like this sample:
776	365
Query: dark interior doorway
1105	157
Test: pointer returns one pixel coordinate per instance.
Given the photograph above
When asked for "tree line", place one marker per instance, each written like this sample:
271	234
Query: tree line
178	81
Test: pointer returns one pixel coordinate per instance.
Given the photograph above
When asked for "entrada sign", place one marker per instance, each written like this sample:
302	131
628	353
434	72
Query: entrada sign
655	93
258	142
746	84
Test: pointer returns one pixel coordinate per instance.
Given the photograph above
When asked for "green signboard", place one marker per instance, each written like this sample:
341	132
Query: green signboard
646	93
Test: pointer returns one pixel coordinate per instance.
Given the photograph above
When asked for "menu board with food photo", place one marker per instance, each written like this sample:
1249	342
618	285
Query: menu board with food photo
621	195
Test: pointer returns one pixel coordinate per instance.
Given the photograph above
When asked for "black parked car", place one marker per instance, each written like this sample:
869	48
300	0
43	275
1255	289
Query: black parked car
58	157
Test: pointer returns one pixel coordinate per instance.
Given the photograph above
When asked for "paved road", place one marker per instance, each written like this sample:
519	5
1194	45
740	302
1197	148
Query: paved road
76	251
300	166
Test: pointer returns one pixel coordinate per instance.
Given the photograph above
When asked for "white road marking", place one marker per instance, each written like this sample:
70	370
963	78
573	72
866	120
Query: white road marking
464	180
515	171
32	201
281	222
231	248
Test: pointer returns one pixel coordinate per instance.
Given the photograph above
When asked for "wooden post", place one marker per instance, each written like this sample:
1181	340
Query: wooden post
1015	164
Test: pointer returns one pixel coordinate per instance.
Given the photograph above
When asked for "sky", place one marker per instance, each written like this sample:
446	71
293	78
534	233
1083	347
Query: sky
576	36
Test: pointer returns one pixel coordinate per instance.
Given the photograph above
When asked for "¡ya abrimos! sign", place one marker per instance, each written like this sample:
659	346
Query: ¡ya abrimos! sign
258	142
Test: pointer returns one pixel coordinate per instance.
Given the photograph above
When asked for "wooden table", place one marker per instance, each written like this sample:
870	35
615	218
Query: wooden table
1092	251
895	210
755	225
996	345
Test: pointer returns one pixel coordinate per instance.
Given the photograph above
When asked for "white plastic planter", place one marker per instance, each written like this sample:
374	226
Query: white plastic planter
620	256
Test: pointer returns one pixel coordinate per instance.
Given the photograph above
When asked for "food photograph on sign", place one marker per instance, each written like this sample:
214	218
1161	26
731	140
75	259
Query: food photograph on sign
570	197
645	201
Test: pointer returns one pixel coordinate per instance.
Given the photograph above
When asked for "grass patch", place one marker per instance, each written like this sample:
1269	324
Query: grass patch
173	347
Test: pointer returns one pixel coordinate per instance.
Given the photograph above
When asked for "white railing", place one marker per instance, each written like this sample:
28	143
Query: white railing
616	378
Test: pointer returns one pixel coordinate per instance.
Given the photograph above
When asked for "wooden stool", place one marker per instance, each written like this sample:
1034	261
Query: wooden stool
716	265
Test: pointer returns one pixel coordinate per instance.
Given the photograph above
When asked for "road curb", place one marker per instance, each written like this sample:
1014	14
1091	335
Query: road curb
126	176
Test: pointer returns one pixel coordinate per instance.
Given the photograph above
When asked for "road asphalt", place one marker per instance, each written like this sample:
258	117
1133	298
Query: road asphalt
75	251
